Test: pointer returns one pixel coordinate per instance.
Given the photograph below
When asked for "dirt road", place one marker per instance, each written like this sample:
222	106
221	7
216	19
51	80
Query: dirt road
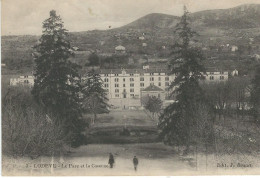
154	159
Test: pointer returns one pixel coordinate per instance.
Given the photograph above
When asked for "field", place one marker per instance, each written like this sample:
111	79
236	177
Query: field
121	118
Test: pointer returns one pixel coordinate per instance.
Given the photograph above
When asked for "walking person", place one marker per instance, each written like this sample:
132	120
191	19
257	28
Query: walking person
135	161
111	160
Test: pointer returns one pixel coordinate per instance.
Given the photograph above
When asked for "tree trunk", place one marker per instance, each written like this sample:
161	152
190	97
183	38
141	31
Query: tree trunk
95	117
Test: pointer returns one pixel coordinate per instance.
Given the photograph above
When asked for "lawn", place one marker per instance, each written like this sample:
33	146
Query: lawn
123	118
122	126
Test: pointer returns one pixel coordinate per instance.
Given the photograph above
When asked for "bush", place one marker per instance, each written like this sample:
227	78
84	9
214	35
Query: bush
26	128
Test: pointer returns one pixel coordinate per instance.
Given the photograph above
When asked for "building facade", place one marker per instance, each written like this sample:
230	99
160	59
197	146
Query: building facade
23	80
128	83
216	76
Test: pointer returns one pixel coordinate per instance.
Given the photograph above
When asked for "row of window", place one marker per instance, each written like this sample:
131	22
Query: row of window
131	90
220	77
141	84
132	95
133	74
141	79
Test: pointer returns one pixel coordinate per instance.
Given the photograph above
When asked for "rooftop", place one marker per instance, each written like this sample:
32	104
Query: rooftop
120	48
131	71
152	88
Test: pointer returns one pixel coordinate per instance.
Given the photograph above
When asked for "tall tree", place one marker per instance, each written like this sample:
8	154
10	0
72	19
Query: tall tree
94	95
179	119
56	78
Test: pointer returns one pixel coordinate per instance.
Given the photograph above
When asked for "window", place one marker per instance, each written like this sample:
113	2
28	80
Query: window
106	75
106	85
151	79
221	72
116	74
124	90
211	77
132	95
132	84
167	84
131	79
131	90
116	79
151	73
116	90
123	79
159	73
221	77
141	78
159	78
166	78
159	84
116	95
116	85
106	79
123	85
131	74
142	84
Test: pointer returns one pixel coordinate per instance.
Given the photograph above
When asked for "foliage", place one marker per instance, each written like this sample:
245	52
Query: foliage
94	99
152	104
27	130
181	119
57	80
255	94
93	60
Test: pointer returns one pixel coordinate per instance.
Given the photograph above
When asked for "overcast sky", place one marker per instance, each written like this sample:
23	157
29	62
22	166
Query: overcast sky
21	17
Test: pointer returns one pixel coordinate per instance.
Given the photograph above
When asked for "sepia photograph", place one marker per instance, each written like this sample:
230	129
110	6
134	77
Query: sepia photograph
130	88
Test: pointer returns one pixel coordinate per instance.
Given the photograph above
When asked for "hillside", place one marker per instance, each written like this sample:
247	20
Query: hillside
235	26
153	21
241	17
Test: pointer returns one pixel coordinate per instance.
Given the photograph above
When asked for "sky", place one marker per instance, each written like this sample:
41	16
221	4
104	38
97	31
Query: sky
25	17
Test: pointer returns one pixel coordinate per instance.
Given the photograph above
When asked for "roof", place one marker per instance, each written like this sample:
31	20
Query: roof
132	71
120	48
152	88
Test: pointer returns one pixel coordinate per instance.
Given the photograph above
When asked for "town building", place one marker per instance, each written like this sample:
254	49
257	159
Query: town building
23	80
128	83
216	76
234	72
234	48
120	50
153	90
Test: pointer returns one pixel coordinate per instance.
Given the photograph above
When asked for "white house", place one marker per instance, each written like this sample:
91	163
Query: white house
141	38
120	49
234	72
23	80
216	76
234	48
